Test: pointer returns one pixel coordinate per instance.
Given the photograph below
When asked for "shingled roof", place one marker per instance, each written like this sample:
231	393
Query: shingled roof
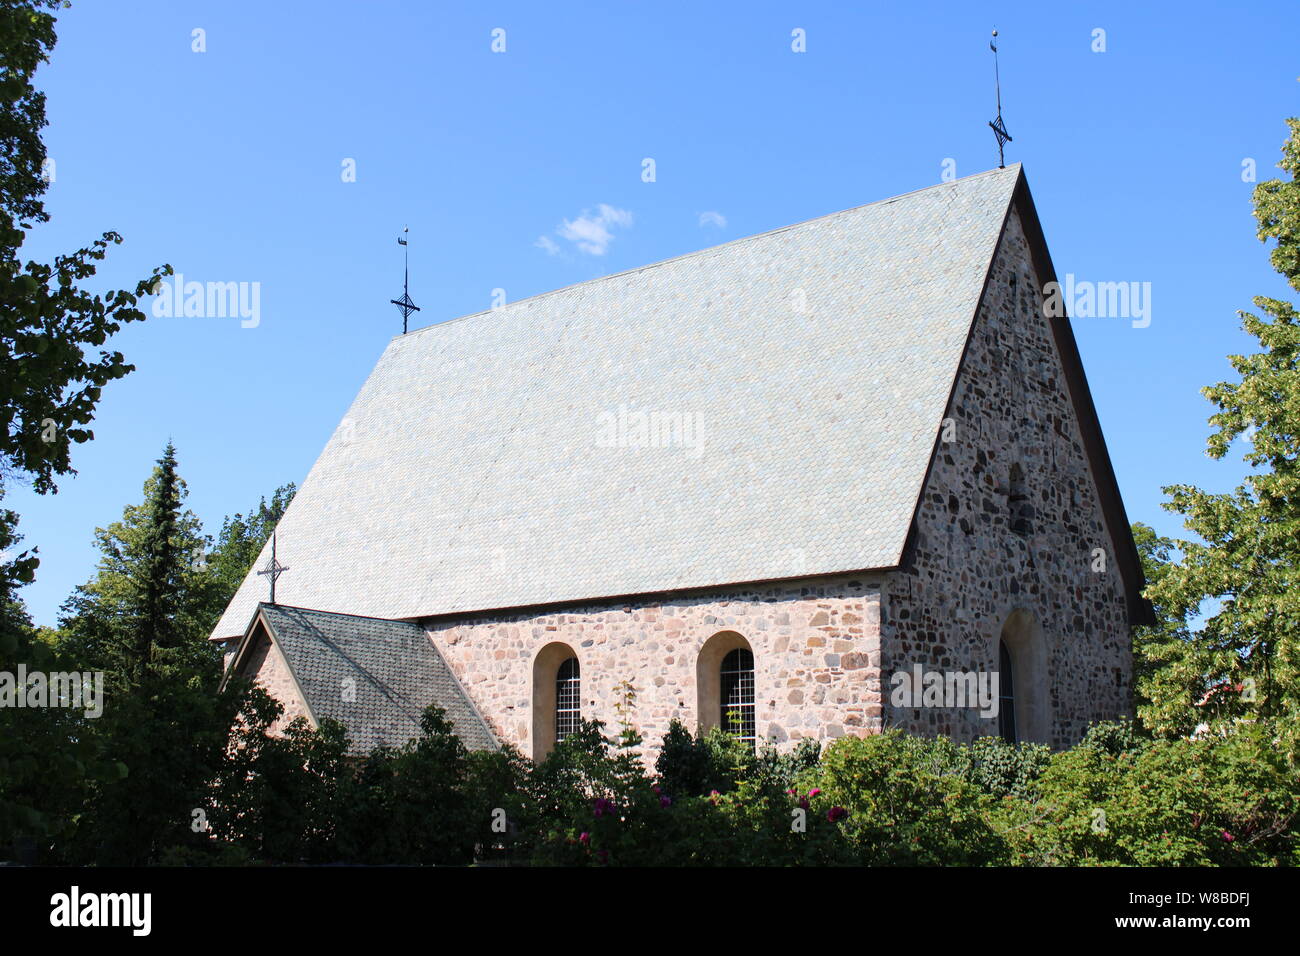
395	670
472	471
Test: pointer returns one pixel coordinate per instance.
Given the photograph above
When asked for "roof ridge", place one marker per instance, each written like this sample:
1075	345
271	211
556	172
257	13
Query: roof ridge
709	249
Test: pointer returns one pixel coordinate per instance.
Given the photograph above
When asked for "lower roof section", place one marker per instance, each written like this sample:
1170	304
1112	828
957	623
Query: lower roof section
375	676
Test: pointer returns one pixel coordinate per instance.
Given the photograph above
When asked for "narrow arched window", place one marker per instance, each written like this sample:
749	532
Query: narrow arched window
568	699
736	682
1006	695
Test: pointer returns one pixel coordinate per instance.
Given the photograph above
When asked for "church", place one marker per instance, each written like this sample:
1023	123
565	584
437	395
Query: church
760	486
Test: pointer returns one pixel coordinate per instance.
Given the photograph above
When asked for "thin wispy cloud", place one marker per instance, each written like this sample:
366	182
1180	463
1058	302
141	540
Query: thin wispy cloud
590	233
713	218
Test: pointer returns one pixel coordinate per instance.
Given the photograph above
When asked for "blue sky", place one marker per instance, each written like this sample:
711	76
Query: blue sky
229	163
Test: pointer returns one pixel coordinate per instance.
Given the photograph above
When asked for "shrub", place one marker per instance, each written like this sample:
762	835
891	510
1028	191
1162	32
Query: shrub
905	804
1160	803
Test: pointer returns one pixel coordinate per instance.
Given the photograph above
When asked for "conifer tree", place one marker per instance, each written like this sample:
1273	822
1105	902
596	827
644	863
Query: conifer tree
143	614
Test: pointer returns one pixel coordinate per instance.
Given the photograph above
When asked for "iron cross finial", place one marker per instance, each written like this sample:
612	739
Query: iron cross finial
273	568
999	128
404	304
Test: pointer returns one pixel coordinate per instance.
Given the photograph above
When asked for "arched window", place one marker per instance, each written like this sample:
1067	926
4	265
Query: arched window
1024	698
568	699
726	685
1006	695
736	682
557	697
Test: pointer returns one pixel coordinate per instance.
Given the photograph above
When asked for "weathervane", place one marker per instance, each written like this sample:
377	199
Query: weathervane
273	568
404	304
999	128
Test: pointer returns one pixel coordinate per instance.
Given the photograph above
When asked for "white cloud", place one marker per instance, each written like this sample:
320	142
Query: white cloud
548	244
712	218
590	233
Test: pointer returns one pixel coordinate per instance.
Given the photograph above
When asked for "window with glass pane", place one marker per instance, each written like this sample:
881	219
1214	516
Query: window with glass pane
1006	696
568	699
738	694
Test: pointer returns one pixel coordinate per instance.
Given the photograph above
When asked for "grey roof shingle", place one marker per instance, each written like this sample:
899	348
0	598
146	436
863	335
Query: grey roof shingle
396	671
472	472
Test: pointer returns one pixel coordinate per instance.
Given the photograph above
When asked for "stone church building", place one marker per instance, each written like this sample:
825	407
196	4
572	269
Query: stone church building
765	485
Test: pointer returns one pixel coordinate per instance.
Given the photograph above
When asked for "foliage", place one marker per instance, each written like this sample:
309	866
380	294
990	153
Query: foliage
273	796
1243	663
411	804
1165	700
53	368
1180	802
49	385
695	765
145	610
904	809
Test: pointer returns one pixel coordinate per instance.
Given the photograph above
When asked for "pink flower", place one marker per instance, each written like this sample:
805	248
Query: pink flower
1228	836
814	791
584	837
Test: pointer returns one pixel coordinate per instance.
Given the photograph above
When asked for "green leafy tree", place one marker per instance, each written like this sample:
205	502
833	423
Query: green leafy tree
1243	662
53	367
276	797
1165	695
52	364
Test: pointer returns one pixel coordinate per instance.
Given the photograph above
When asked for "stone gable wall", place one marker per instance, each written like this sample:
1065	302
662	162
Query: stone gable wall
969	569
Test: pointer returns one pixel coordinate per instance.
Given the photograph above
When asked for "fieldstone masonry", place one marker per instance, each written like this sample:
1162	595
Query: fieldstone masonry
816	646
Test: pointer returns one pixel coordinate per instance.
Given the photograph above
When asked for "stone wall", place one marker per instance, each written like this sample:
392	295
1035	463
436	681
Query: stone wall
815	645
268	668
971	567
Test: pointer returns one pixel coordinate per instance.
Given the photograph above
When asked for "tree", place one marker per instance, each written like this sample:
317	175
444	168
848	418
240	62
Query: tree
144	612
51	375
52	371
1165	694
49	385
140	619
1244	660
